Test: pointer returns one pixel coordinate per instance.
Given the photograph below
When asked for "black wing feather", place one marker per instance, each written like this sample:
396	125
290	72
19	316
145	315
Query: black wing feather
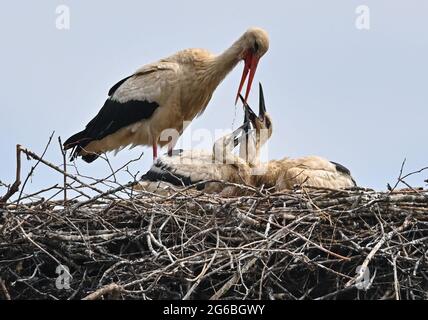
112	117
117	86
344	170
341	168
164	173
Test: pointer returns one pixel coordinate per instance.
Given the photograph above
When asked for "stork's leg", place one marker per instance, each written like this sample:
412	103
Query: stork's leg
155	151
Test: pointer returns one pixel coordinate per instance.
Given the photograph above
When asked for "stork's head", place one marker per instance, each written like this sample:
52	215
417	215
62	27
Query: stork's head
253	45
261	133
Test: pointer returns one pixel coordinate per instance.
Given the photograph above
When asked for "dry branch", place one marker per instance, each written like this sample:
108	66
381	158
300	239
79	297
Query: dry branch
15	186
112	289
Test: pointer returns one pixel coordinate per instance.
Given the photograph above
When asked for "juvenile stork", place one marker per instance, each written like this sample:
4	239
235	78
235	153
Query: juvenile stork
163	95
209	169
311	171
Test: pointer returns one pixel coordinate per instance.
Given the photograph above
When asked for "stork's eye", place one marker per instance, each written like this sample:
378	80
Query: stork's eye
256	46
268	123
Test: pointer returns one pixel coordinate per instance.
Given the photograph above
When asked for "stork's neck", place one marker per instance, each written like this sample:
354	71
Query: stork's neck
248	149
271	171
223	147
221	65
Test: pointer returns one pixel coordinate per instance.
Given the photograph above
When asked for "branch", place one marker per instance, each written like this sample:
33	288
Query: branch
15	187
112	288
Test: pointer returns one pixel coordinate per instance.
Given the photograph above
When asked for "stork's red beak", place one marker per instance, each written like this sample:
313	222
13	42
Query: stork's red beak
251	62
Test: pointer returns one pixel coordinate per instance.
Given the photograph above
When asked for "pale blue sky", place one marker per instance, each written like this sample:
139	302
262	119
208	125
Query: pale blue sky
356	97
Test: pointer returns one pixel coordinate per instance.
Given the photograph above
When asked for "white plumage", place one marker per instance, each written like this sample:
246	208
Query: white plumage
311	171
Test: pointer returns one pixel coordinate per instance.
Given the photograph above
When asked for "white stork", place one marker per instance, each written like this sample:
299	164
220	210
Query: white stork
163	95
201	167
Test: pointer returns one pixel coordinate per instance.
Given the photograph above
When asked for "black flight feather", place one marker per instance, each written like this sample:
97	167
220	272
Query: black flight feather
341	168
162	172
344	170
112	117
117	85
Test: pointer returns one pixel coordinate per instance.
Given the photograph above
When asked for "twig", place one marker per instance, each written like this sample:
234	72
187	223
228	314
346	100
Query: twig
35	166
15	186
396	284
112	288
56	168
64	160
4	290
229	284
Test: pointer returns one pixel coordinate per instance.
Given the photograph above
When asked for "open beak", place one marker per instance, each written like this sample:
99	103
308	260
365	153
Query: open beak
251	63
249	115
249	118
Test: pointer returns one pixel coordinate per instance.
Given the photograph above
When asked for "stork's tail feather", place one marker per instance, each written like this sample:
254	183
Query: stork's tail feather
161	172
78	142
74	140
89	158
345	171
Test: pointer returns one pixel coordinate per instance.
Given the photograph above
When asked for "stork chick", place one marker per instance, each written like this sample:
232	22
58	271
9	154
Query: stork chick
205	168
311	171
164	95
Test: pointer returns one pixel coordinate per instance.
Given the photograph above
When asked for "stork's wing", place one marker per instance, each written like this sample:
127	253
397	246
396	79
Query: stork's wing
341	168
319	172
152	83
131	100
185	169
117	86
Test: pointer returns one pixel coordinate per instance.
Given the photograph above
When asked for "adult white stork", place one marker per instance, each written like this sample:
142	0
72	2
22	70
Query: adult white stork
209	169
163	95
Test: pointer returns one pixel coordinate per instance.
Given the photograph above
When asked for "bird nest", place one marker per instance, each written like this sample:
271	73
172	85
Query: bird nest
303	244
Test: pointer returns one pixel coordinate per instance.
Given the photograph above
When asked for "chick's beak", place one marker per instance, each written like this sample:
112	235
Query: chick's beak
249	119
262	105
249	115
